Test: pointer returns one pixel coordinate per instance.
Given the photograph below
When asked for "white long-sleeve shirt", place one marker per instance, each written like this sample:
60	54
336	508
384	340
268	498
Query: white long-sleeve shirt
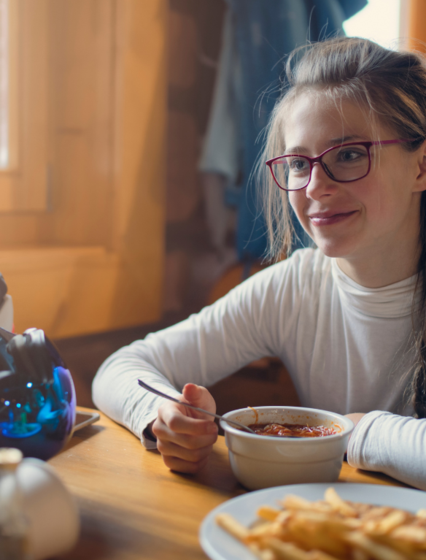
347	349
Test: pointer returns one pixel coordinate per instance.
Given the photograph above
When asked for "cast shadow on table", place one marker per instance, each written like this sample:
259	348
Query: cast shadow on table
216	474
133	536
380	477
83	435
94	541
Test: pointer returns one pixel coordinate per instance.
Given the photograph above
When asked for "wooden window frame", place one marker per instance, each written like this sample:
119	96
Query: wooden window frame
24	184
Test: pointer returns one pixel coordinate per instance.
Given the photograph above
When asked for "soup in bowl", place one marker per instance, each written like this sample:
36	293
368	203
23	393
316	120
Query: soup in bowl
270	459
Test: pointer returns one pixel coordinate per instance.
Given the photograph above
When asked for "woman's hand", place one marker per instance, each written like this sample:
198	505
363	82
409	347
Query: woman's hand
185	437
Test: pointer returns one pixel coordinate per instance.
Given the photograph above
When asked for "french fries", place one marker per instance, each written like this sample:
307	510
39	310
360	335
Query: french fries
331	529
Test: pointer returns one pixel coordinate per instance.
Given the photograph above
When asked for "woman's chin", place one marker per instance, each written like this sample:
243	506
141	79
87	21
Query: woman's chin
334	249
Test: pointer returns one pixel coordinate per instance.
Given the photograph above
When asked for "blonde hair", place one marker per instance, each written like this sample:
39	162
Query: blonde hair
391	87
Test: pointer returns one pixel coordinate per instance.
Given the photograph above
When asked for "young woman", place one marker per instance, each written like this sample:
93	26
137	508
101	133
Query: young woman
346	147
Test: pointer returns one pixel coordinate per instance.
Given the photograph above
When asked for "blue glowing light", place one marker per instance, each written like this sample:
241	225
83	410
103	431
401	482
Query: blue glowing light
29	385
18	405
7	403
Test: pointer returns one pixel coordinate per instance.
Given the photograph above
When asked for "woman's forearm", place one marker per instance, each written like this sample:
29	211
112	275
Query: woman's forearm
391	444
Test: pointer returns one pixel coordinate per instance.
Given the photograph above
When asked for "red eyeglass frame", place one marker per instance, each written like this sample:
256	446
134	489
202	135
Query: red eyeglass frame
318	159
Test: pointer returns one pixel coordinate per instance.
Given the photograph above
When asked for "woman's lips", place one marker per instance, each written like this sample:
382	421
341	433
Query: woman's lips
329	218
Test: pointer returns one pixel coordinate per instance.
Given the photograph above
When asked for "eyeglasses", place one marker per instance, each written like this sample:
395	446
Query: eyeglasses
343	163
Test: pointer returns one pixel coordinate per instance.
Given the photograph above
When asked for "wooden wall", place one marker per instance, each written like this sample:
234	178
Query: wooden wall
416	23
93	259
195	30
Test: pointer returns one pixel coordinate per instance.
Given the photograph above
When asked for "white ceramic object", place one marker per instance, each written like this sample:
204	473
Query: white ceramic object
265	461
219	545
50	509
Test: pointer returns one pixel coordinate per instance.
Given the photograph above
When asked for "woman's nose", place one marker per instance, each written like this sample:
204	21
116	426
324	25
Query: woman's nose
320	184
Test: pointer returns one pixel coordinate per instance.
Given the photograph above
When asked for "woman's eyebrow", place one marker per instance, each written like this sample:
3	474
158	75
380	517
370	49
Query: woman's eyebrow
345	139
295	150
330	144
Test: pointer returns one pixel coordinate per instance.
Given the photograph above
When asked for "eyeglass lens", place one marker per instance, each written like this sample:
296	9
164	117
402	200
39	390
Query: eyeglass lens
347	163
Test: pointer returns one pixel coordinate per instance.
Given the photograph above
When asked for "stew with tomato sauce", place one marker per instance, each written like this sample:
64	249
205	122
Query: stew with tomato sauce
291	430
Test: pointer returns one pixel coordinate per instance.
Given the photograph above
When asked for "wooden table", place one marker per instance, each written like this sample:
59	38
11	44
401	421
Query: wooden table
132	507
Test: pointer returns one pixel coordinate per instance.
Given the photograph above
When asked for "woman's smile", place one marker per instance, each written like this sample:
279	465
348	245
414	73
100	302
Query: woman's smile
322	219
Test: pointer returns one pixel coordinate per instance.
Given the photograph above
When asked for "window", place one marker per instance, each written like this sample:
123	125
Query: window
24	42
4	84
379	21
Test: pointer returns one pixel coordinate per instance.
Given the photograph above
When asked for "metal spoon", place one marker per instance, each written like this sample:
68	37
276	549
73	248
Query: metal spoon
160	394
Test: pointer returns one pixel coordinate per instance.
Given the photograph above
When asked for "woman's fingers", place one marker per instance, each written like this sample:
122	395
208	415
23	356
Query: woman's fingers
183	452
175	417
187	432
185	437
199	396
170	449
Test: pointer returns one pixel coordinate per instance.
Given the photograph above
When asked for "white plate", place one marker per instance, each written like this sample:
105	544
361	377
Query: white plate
218	545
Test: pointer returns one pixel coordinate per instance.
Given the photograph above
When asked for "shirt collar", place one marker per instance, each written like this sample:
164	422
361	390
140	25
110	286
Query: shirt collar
395	300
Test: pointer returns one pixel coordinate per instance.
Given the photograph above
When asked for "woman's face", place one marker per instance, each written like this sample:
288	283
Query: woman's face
365	218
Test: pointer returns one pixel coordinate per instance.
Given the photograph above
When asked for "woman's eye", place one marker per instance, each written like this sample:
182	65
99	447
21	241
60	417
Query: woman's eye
300	164
349	155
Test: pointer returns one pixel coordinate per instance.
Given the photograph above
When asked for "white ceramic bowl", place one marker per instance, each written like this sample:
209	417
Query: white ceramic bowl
265	461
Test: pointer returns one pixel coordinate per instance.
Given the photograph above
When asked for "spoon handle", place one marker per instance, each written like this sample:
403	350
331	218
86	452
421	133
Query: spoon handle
160	394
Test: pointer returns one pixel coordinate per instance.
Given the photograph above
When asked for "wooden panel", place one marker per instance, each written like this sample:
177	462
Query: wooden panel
138	233
182	50
83	60
183	190
67	291
44	279
416	24
94	261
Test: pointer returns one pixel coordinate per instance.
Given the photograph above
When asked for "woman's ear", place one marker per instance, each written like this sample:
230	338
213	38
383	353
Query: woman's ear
420	184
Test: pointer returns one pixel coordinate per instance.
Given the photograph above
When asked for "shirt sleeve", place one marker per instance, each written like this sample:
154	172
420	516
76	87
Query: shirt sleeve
391	444
206	347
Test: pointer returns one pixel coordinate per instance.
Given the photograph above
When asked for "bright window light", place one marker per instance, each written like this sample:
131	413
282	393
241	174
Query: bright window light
378	21
4	84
